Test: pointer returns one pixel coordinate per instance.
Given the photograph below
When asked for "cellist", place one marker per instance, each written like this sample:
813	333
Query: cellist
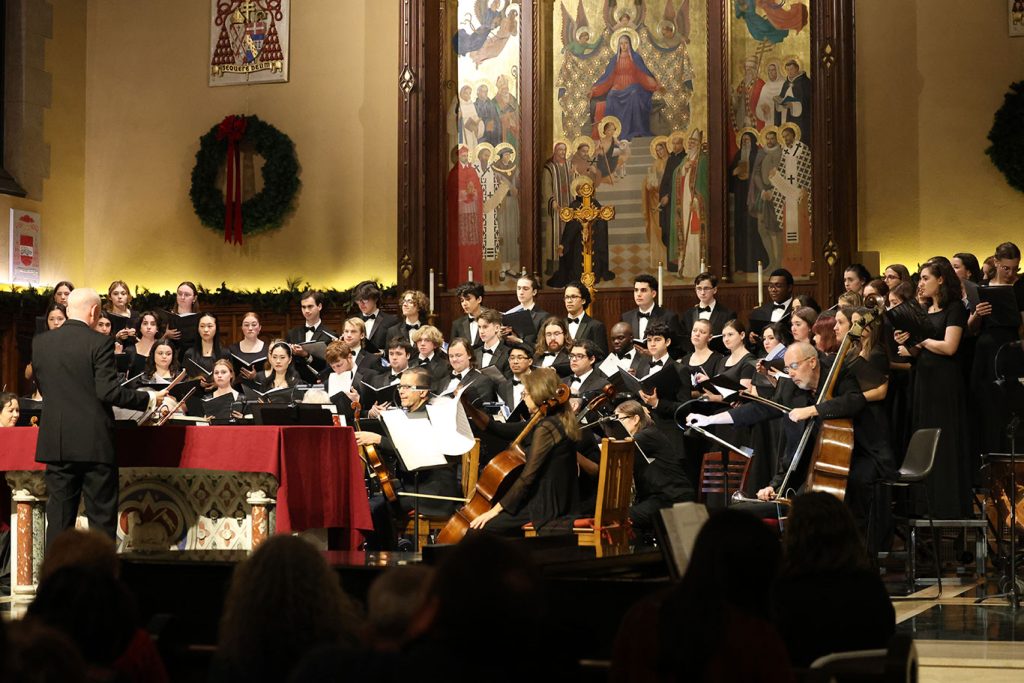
388	518
798	392
547	492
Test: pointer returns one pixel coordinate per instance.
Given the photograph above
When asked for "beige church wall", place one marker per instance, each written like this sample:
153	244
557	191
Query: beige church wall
148	102
930	76
61	203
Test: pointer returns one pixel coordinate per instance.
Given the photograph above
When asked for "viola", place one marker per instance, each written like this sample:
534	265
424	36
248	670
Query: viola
379	470
498	476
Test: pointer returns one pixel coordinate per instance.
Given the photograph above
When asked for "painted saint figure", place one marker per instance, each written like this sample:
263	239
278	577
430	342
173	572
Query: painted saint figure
465	215
555	186
624	91
792	200
652	199
760	203
689	209
489	186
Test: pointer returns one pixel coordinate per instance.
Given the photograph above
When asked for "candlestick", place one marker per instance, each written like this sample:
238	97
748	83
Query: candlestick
702	268
661	282
469	274
760	285
431	290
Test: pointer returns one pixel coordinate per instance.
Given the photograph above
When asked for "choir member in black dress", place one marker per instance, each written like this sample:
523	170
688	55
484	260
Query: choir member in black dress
471	296
414	305
855	277
876	294
162	363
659	474
278	372
553	346
250	348
546	494
186	302
207	349
428	340
119	299
367	296
824	330
707	308
527	287
582	326
61	291
150	330
647	311
307	366
895	274
801	324
938	392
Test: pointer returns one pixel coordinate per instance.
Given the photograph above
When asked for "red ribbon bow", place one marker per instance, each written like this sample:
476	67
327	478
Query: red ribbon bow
232	129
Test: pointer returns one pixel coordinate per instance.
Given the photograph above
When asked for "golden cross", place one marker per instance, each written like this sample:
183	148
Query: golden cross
586	215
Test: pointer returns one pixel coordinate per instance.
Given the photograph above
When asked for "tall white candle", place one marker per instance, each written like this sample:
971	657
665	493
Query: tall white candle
702	268
760	283
661	283
431	290
469	273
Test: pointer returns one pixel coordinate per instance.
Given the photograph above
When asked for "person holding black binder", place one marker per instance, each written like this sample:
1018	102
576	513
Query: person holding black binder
527	287
428	340
122	322
181	319
307	366
367	295
250	352
645	296
278	372
708	308
199	359
553	346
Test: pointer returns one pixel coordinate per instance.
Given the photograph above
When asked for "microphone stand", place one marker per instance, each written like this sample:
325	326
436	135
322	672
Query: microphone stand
729	448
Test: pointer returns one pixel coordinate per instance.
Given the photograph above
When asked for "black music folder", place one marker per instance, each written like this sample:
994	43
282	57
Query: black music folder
187	324
909	317
520	321
1004	305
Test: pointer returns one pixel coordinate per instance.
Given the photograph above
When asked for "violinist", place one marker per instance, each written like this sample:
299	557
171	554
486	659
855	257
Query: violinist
546	494
799	395
414	390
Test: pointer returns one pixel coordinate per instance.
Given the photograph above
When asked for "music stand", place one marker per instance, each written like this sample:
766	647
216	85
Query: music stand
1009	380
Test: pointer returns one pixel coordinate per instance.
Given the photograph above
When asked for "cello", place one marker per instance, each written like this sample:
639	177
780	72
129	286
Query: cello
829	467
499	474
377	467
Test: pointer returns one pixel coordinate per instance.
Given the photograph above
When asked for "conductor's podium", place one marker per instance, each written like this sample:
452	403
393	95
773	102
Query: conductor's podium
201	488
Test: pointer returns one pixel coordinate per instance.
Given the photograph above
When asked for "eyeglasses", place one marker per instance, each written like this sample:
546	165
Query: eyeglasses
408	301
570	297
707	289
578	356
892	277
795	364
411	387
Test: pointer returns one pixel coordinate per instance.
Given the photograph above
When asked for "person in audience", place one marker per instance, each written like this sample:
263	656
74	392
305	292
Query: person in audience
553	346
393	602
278	372
284	601
414	305
471	297
715	624
250	349
61	291
938	393
707	308
855	277
428	341
824	329
35	652
368	298
207	349
9	409
119	299
149	331
823	555
801	325
546	494
492	352
581	326
161	364
307	365
659	474
527	287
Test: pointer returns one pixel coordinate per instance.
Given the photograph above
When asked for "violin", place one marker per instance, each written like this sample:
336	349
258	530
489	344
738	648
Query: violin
499	474
373	460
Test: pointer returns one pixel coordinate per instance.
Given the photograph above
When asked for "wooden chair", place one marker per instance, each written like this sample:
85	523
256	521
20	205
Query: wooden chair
609	527
428	526
714	479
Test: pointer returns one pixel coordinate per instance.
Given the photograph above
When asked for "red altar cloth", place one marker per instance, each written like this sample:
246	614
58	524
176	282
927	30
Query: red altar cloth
318	469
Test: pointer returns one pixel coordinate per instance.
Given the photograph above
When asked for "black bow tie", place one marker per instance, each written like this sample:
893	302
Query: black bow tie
412	327
703	309
310	329
575	379
659	363
456	375
516	383
644	315
573	320
423	361
550	353
627	355
370	317
782	306
487	351
471	319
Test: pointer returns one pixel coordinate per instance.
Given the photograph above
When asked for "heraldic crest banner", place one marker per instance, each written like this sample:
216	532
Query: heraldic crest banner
249	41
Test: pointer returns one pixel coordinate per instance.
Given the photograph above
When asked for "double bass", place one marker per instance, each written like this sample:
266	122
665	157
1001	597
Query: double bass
499	474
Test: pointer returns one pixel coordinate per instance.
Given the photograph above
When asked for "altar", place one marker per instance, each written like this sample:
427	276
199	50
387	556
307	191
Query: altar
201	488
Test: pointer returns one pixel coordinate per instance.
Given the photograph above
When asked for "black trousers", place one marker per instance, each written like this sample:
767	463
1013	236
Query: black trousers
67	482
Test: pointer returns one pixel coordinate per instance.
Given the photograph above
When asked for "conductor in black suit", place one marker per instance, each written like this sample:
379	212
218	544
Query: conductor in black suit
312	304
707	308
367	296
75	368
645	295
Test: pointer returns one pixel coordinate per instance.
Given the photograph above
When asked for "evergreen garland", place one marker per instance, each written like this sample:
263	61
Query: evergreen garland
1007	137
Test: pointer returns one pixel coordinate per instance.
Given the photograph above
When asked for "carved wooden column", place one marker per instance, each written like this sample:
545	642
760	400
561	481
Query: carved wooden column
28	496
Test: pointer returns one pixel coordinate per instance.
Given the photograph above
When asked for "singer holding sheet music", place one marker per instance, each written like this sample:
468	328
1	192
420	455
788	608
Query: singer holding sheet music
75	370
278	372
388	518
311	303
546	494
250	348
206	351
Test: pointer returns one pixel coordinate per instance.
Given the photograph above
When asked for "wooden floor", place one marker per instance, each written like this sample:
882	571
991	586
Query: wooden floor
958	640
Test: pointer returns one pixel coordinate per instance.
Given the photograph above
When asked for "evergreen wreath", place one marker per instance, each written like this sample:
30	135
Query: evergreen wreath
1007	137
266	209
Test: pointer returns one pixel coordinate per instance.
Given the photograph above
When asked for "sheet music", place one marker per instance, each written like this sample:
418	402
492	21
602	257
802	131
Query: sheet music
610	365
336	383
414	440
451	426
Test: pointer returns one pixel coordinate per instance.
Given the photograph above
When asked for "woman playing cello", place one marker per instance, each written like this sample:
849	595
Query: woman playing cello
547	491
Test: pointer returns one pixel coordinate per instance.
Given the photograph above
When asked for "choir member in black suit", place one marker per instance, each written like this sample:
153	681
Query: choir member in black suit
342	376
780	298
74	366
622	345
584	380
471	296
311	304
479	387
250	348
414	392
414	305
671	383
707	308
658	473
527	287
367	296
353	333
428	340
399	354
207	349
553	346
645	295
279	371
492	352
582	326
520	362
